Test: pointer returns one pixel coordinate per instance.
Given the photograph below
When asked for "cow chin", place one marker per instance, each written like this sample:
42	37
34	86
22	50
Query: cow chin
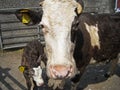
61	71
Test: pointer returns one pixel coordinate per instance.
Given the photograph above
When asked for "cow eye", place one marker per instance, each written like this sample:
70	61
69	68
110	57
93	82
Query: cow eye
41	26
31	72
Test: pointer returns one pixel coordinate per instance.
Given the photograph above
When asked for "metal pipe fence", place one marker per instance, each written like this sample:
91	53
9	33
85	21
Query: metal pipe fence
13	34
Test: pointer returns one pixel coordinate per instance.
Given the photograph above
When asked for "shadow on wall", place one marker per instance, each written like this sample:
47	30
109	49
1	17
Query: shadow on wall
4	73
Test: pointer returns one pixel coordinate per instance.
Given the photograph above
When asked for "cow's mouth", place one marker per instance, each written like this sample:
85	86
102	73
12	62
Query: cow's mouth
60	71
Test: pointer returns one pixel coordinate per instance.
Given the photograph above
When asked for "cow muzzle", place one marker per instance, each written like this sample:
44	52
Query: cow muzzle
60	71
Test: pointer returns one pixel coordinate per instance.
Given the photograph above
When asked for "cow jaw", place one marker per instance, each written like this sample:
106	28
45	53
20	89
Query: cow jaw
57	19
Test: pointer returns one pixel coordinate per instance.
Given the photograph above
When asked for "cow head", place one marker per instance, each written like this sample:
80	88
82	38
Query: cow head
37	76
56	23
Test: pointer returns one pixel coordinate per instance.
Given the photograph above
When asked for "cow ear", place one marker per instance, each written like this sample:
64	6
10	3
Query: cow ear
80	6
29	17
39	59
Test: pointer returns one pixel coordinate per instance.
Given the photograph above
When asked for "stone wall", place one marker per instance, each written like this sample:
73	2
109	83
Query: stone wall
4	4
99	6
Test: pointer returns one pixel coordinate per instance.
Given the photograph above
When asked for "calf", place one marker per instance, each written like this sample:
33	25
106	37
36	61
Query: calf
32	56
31	67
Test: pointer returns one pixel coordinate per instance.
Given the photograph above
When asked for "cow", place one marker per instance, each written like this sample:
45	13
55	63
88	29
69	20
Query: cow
98	37
72	38
33	70
31	67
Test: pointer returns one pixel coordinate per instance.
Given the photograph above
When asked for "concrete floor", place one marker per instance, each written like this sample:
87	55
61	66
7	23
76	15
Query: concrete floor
93	79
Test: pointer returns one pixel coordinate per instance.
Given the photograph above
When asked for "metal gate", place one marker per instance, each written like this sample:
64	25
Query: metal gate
13	33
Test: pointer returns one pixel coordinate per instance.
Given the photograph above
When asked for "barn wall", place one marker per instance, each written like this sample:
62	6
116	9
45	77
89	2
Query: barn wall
18	3
13	33
99	6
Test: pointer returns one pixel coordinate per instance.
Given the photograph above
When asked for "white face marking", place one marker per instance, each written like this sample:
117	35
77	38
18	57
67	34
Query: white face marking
93	31
57	19
38	76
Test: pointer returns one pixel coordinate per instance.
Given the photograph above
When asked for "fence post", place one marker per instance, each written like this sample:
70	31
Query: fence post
1	44
38	28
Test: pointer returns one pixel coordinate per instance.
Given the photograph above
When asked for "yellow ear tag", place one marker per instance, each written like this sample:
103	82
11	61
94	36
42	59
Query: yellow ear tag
25	18
21	68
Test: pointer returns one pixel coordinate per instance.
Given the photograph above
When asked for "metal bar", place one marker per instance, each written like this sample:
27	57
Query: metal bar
15	29
40	34
13	10
10	21
19	36
115	5
15	46
18	42
38	29
1	43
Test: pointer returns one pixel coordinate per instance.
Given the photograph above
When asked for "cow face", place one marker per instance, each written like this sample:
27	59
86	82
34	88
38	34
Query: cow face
37	76
57	19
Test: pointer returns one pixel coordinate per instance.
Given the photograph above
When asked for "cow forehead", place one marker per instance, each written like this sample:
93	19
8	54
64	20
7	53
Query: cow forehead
58	13
37	70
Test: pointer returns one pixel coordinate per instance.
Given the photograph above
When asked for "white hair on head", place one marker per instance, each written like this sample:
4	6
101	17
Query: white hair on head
57	19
